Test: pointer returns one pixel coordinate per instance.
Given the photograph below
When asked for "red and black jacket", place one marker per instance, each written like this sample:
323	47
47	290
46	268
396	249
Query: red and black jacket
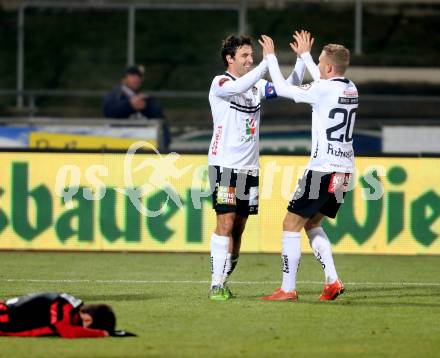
44	314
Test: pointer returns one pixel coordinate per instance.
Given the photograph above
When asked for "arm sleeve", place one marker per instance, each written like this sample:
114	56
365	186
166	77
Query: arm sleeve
115	106
297	75
65	328
305	94
311	66
225	87
69	331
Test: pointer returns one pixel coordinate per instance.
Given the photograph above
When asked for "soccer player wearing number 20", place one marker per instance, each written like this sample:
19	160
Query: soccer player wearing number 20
320	192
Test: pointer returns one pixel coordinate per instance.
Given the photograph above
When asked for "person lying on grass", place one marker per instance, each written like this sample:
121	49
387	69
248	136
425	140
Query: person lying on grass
56	314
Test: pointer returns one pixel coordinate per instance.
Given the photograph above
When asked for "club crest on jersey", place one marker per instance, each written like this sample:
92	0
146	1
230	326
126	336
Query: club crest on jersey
249	131
254	90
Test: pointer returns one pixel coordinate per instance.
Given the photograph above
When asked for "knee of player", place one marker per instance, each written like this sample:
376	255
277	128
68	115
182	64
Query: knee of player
293	222
309	225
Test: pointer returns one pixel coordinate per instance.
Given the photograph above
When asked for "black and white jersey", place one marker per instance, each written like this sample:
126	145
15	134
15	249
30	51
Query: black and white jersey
235	106
334	102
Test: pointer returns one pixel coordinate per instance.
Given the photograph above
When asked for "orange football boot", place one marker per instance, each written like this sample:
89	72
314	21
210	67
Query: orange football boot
280	295
332	290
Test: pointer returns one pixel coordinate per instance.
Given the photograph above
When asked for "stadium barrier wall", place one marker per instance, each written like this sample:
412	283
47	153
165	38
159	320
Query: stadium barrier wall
90	201
80	133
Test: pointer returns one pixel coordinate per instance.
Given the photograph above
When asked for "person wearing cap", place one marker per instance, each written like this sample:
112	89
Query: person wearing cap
57	314
126	100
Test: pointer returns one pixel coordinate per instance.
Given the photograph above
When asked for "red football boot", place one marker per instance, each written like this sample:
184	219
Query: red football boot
332	290
280	295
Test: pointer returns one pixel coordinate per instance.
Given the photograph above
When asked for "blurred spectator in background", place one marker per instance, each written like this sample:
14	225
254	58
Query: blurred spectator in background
126	100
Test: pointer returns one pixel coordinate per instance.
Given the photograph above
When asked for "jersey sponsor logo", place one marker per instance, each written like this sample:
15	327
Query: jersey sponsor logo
218	134
226	195
222	81
339	152
348	100
350	93
339	182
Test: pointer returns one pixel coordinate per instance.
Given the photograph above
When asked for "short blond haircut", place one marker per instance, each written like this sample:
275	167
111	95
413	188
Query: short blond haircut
338	56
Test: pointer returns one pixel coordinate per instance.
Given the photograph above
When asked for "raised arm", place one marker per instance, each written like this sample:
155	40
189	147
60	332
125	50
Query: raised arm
226	86
301	46
306	94
297	75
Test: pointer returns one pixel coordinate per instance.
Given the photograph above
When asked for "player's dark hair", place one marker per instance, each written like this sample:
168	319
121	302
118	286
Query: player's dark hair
231	44
102	315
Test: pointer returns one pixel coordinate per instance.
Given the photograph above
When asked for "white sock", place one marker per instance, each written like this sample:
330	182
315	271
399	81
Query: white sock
290	256
219	252
322	249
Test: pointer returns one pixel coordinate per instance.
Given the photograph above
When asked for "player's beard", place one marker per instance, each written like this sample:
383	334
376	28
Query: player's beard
243	70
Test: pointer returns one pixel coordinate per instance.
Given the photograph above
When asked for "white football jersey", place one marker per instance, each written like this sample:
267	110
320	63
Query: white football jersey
235	105
334	102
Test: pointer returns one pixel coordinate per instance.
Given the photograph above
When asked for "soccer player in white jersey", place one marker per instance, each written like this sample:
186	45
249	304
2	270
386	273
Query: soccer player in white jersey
233	158
320	192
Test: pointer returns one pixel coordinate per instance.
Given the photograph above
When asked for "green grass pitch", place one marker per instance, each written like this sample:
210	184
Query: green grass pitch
391	307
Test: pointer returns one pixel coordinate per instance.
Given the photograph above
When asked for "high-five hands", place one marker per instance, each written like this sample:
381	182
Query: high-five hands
267	44
303	42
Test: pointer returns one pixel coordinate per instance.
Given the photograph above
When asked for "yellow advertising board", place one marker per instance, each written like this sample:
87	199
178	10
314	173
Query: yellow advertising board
153	202
79	141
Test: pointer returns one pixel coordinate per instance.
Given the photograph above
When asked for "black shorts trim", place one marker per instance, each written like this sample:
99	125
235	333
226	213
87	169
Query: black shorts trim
234	190
312	196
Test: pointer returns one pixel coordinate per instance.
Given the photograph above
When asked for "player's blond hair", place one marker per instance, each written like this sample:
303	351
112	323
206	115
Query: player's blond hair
338	56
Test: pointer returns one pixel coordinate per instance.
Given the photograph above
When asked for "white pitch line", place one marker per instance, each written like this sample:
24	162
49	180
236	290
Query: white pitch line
206	282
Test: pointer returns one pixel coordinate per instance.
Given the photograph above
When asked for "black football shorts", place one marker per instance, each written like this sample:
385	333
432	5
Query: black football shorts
234	190
319	192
